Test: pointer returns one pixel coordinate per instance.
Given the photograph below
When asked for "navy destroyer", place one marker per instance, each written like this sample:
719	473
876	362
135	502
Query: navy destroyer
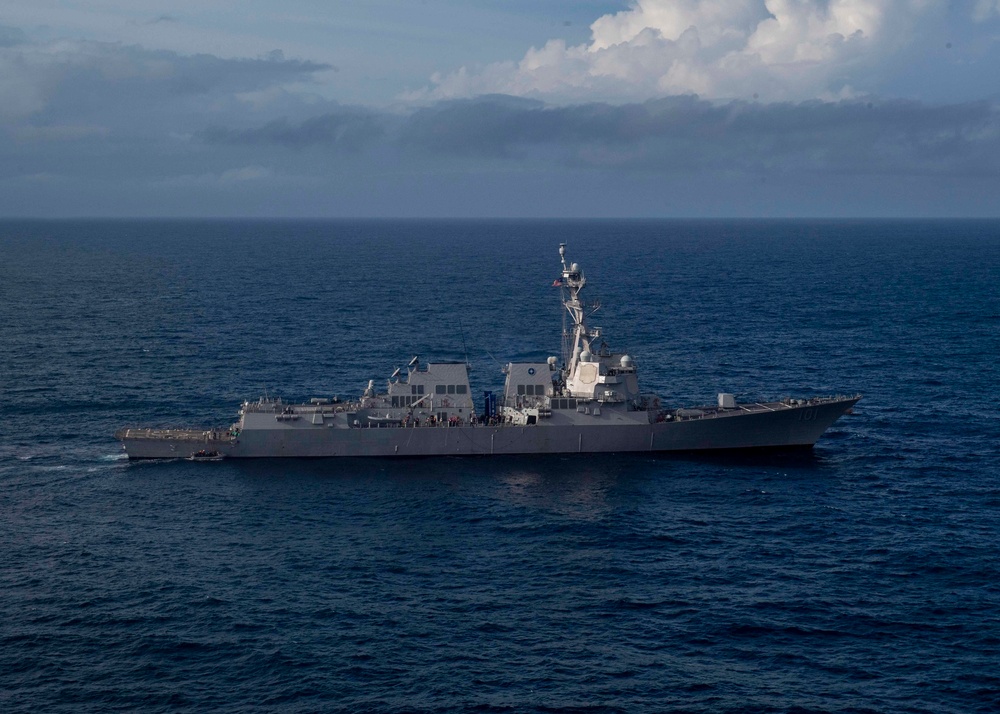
589	403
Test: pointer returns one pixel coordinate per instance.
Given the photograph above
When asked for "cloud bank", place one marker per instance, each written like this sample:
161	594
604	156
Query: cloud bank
670	137
89	128
774	50
73	78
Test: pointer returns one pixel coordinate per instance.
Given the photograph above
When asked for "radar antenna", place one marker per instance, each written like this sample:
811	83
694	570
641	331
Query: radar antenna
572	282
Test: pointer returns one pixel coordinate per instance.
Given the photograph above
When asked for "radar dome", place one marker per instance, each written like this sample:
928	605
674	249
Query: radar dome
626	361
586	356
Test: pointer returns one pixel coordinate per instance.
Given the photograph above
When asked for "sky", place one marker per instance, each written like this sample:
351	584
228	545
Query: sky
500	108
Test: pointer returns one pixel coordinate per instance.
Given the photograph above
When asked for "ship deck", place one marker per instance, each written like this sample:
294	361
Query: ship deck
711	411
168	434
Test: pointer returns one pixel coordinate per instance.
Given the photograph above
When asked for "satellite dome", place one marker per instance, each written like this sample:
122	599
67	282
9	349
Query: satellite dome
586	356
626	361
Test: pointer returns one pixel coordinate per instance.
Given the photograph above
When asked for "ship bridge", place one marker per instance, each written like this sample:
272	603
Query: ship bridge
592	374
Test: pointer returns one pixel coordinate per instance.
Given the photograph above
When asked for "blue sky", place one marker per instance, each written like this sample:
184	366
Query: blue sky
546	108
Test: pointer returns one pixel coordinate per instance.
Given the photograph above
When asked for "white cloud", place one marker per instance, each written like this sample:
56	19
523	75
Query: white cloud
985	9
771	49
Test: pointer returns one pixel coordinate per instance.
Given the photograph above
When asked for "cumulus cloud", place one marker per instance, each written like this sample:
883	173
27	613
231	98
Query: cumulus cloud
771	49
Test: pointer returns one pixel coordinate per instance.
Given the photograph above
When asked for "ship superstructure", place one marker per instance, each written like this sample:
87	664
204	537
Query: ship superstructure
591	403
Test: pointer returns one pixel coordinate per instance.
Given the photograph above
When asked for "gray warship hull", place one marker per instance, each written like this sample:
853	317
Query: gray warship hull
589	404
759	426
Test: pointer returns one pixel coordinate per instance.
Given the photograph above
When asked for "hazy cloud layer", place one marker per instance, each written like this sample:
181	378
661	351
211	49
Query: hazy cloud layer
767	49
674	135
686	134
345	129
63	79
984	9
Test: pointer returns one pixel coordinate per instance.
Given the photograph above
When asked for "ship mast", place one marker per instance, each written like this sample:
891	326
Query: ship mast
573	282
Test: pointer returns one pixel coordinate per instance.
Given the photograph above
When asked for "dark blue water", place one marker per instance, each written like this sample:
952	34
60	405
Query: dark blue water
864	577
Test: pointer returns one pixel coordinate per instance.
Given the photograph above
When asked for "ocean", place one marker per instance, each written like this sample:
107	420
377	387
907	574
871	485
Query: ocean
863	576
